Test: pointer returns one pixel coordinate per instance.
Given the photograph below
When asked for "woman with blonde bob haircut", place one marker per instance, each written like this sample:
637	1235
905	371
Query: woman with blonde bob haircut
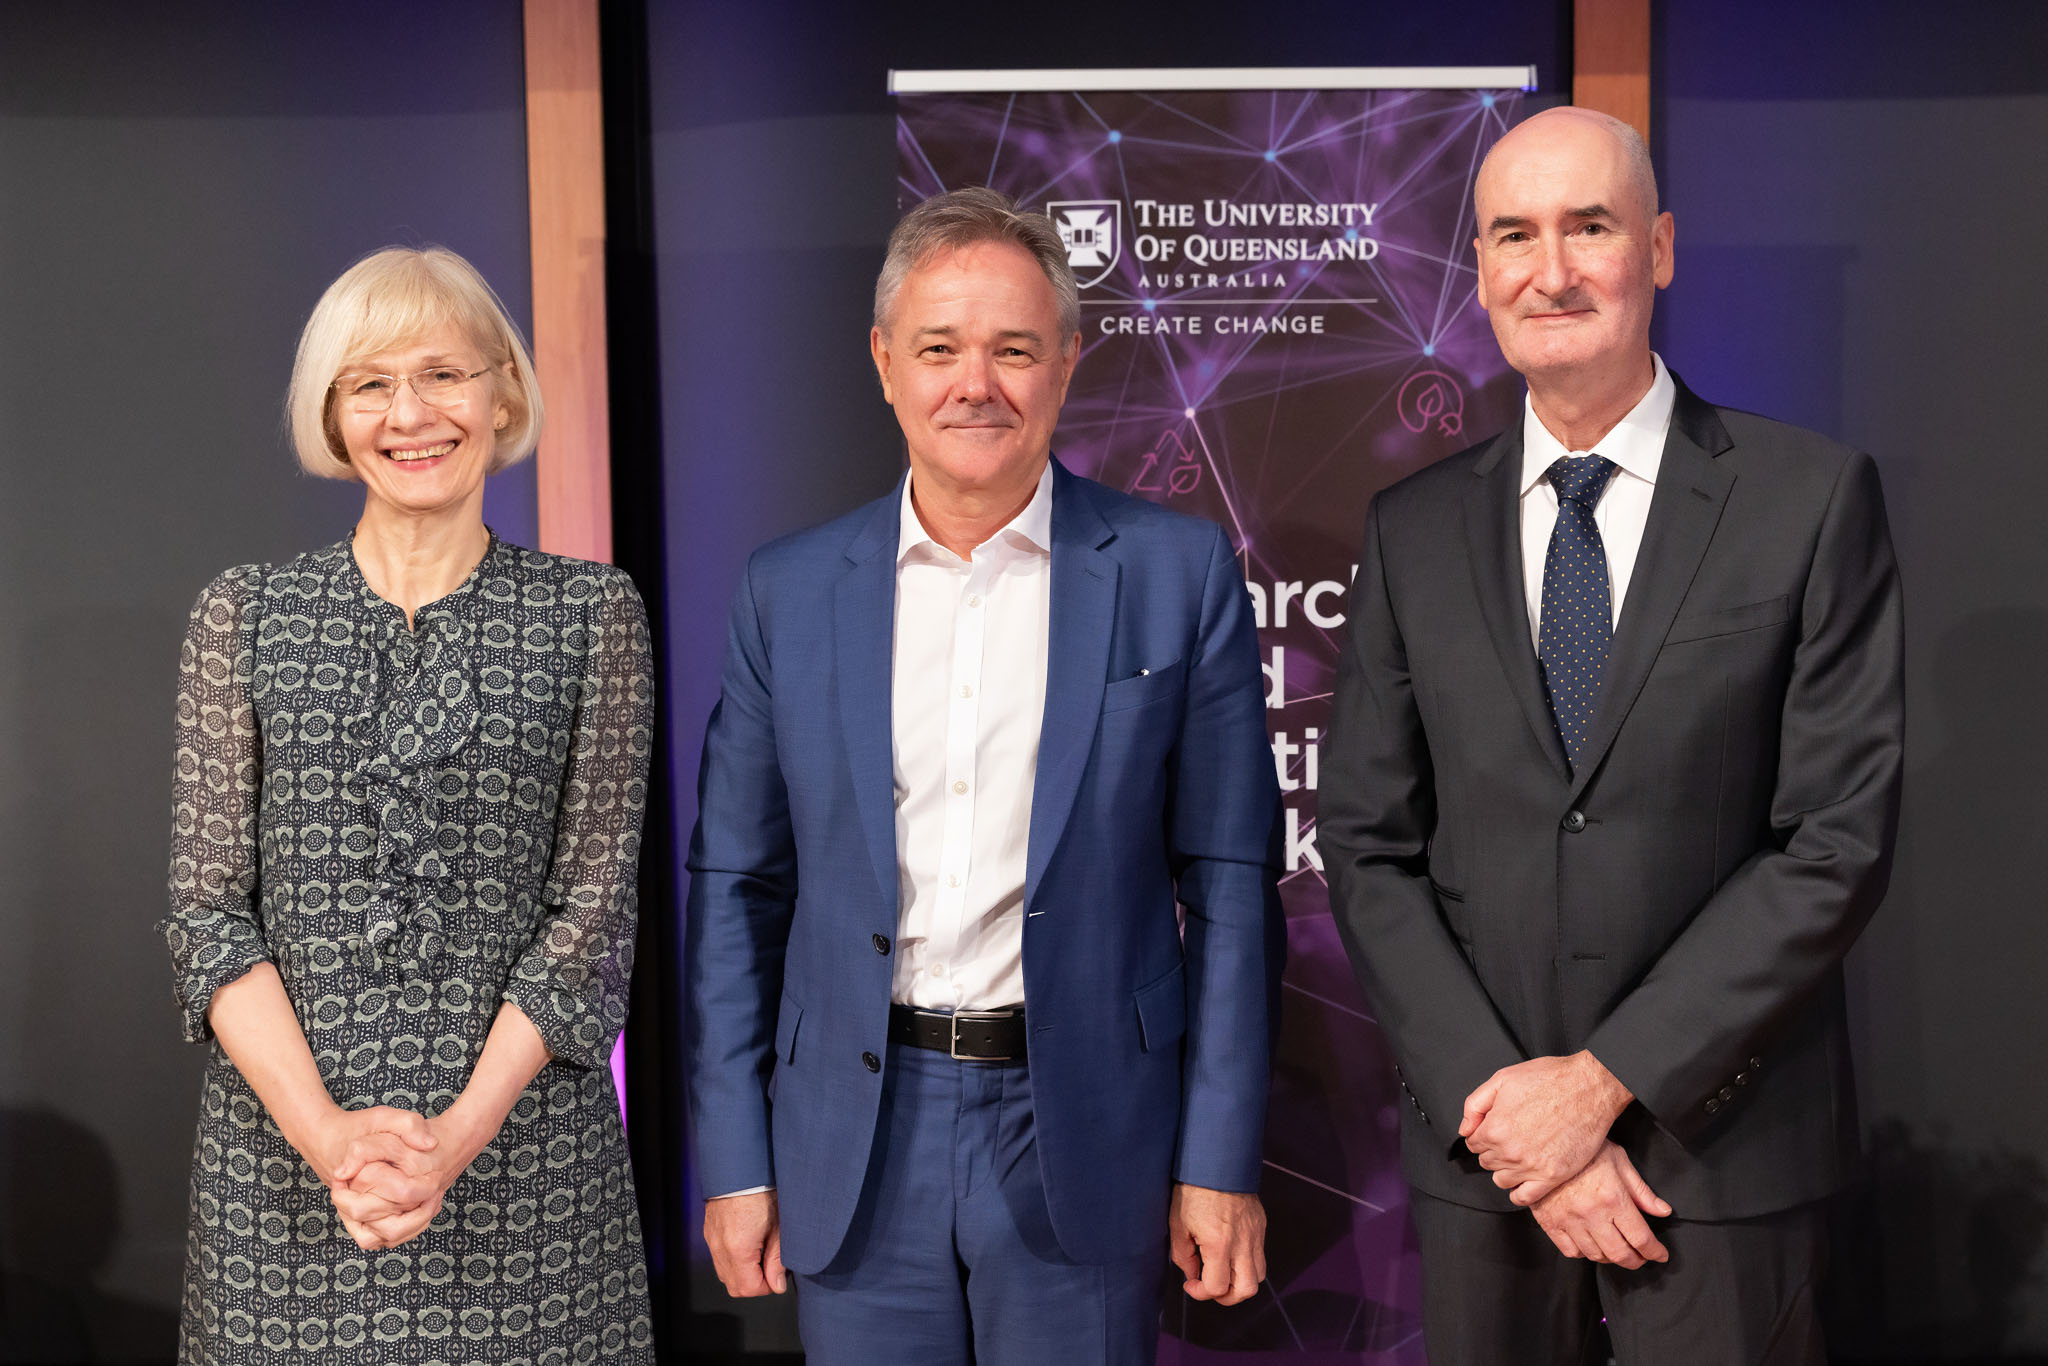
408	788
384	299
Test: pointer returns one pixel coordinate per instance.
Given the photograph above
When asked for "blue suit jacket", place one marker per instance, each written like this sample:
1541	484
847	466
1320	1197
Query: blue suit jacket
1149	1047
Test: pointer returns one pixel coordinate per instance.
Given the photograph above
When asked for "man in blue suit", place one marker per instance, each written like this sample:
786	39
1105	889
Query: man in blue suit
955	1058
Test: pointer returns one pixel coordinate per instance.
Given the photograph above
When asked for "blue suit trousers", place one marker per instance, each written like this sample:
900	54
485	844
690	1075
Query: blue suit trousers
951	1258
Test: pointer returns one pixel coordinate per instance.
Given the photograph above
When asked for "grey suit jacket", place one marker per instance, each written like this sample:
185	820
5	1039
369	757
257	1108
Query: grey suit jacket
1681	904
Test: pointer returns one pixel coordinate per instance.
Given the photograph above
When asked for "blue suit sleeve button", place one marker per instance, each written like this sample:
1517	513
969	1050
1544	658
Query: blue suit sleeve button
871	1062
881	943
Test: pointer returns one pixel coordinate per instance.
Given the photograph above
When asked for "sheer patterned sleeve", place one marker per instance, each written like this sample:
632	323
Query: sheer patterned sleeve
216	784
571	982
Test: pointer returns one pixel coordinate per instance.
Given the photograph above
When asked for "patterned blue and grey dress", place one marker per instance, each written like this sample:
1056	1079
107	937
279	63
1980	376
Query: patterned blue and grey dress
415	826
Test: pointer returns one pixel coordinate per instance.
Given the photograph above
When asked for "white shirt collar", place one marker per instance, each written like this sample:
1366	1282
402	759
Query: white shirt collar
1030	530
1636	445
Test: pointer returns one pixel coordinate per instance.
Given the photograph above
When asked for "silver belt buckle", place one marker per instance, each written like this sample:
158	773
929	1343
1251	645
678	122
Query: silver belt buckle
953	1044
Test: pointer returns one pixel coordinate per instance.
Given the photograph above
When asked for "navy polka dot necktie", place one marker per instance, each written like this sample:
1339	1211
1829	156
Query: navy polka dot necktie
1578	615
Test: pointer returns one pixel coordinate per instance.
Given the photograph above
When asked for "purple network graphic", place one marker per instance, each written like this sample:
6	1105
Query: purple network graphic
1277	322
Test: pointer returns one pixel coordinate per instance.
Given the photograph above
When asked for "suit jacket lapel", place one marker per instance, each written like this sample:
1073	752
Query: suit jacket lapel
1493	532
1692	488
863	633
1084	585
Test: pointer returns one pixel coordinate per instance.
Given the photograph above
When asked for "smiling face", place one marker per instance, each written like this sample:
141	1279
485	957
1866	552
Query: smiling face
416	457
1571	252
973	362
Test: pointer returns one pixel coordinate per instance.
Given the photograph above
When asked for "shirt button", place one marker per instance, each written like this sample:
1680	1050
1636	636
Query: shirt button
881	943
966	691
1574	822
952	879
871	1062
938	969
960	787
974	600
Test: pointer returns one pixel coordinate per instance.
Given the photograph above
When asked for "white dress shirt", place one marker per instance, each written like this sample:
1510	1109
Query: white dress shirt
1636	446
967	698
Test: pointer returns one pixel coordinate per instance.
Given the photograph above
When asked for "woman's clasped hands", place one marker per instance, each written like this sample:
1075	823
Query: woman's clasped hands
386	1170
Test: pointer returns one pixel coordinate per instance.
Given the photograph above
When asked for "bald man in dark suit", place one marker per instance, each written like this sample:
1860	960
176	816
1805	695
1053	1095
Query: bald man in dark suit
1612	785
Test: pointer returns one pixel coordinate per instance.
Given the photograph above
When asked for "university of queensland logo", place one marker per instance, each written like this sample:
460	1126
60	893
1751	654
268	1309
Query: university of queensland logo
1093	232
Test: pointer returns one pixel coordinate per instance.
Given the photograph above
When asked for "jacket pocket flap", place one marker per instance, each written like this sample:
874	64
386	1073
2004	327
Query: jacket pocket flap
1162	1010
1727	621
786	1020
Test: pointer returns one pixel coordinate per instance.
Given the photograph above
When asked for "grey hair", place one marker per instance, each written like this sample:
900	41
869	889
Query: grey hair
1637	153
963	218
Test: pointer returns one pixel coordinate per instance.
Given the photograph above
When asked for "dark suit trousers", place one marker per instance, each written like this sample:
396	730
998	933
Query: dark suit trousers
951	1260
1495	1290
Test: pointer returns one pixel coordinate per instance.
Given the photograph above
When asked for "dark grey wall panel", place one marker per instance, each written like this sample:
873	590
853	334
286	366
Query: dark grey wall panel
1856	207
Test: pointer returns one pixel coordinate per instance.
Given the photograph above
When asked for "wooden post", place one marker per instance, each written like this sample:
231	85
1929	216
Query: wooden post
1611	59
565	213
565	191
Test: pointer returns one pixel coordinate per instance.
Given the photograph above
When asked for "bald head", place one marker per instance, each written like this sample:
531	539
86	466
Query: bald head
1546	132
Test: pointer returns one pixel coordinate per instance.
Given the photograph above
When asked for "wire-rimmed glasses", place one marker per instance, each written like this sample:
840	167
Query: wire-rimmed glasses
368	392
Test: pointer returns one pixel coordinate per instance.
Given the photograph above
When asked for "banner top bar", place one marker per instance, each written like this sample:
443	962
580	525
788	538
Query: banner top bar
1216	78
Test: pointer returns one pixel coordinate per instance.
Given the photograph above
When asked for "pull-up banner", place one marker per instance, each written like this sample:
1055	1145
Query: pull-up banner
1277	321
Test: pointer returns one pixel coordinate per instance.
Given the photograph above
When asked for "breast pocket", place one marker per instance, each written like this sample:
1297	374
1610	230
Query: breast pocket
1728	621
1145	688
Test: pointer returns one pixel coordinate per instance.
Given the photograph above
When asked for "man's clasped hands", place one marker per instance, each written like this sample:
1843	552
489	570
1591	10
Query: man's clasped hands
1541	1128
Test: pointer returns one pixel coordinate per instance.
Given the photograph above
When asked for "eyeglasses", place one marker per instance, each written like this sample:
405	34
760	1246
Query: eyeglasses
437	387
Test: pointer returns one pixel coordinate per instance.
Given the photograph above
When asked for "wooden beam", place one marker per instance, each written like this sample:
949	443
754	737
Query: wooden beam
1611	59
565	216
565	193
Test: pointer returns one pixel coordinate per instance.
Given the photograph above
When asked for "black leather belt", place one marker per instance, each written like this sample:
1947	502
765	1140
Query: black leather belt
969	1035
